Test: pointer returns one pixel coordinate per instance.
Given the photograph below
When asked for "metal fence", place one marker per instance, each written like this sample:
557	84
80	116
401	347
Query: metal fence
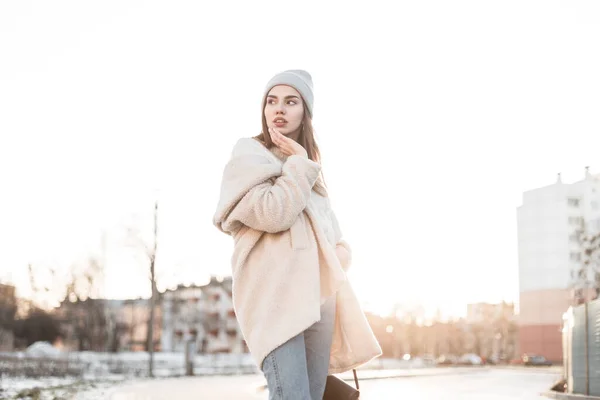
581	348
40	367
77	364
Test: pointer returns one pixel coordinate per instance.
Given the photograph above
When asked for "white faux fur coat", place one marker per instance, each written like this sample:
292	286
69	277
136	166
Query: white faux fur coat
283	266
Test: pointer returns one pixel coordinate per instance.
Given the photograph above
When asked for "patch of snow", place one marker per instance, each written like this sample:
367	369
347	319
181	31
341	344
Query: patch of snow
43	350
11	386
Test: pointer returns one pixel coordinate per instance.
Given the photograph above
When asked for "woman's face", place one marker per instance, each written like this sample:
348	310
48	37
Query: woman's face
284	109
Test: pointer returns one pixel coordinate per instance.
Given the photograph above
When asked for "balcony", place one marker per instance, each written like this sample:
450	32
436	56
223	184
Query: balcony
231	325
211	322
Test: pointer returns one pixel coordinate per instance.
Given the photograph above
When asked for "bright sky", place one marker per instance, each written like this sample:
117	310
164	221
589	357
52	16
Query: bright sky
433	118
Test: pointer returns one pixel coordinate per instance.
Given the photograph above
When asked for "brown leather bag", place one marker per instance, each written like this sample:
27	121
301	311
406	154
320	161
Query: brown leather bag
337	389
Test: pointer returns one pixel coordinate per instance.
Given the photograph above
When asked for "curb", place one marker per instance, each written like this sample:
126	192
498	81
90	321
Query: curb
552	369
568	396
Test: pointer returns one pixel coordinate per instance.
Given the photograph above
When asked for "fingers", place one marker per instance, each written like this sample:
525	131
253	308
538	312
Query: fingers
281	134
280	141
286	145
275	137
278	135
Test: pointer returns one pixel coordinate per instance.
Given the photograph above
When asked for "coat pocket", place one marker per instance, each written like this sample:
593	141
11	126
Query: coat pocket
298	233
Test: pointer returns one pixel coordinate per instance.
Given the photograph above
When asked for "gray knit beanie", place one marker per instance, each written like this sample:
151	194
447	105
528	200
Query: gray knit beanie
299	80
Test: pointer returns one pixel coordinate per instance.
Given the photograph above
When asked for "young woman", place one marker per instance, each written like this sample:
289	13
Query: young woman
297	311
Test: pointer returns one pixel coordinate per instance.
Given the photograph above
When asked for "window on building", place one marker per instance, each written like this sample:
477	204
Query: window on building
573	202
574	256
594	205
573	238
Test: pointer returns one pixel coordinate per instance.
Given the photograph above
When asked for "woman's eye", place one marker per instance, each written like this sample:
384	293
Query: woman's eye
292	102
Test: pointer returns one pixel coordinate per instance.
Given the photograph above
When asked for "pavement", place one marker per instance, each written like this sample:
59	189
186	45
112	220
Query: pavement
460	383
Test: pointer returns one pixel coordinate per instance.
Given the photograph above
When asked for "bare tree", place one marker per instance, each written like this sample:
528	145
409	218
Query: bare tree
152	260
83	310
8	311
85	279
36	287
45	286
149	251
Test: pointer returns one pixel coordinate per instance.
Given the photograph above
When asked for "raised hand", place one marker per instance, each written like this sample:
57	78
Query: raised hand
286	145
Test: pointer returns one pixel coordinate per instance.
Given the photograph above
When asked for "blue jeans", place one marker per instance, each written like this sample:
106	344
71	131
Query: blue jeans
297	370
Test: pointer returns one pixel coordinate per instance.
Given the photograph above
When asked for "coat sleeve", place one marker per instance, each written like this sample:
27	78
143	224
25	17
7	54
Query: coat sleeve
273	204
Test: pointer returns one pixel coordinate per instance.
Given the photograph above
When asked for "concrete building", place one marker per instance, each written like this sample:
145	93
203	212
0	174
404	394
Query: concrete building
129	324
550	258
107	325
203	315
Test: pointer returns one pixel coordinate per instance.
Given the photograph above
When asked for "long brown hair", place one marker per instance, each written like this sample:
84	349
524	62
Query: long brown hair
306	139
